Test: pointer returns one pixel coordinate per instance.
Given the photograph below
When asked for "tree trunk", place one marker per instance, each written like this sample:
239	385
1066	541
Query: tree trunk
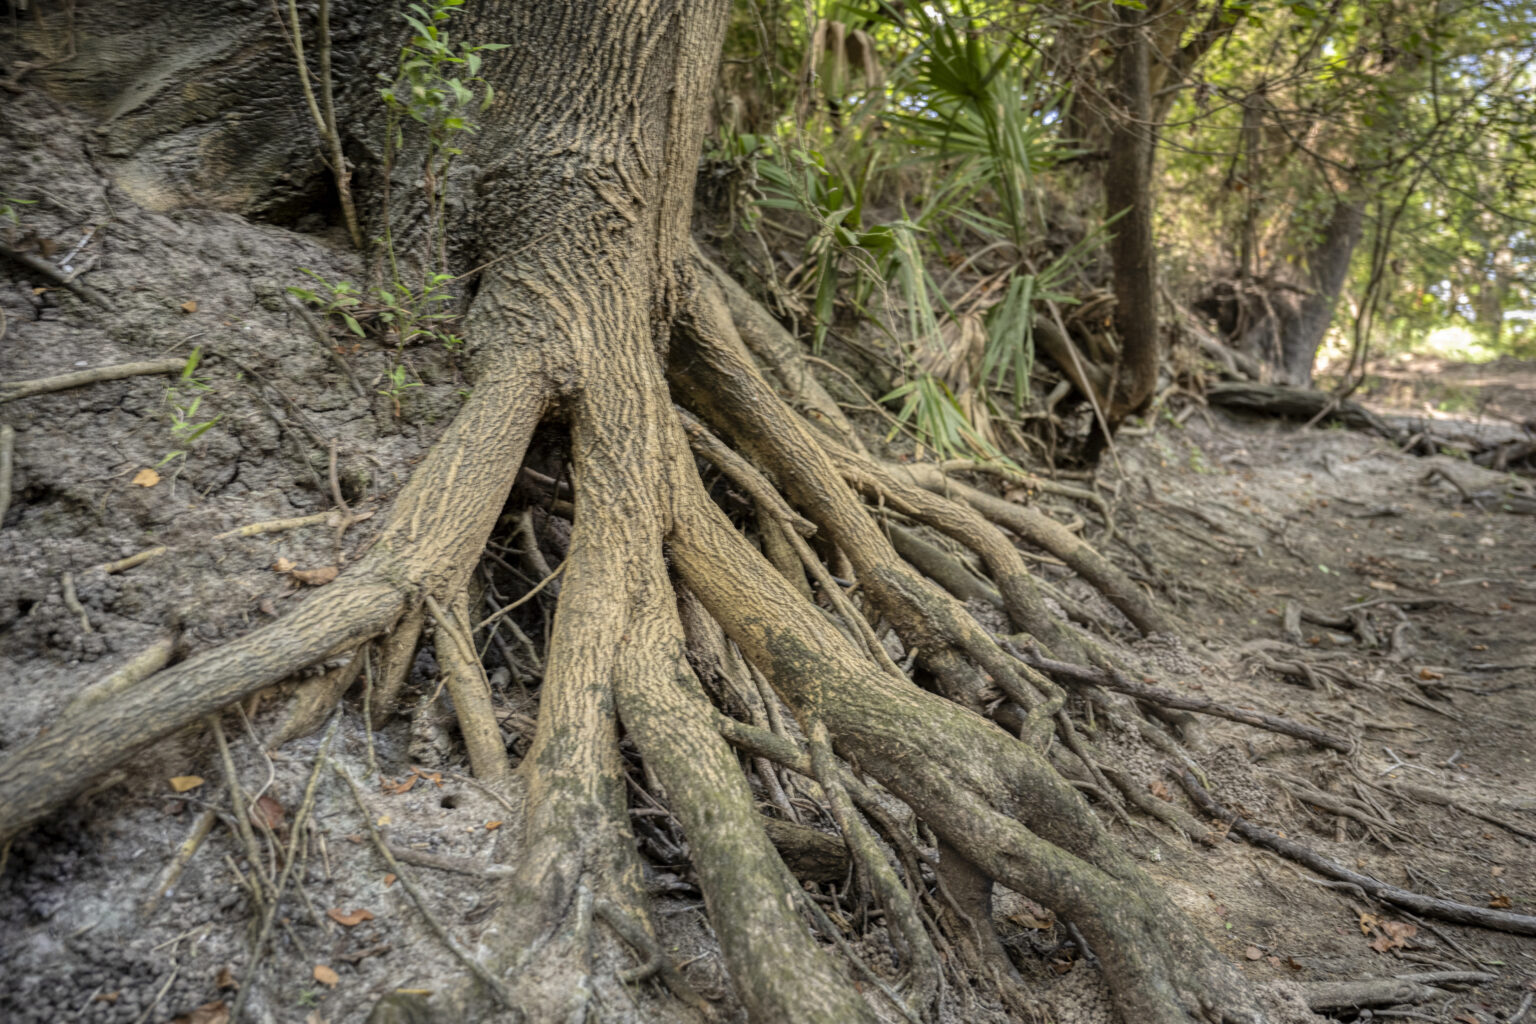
594	311
1303	325
1128	192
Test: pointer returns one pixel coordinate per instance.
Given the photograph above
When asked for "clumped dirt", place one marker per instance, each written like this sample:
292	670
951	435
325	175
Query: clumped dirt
1246	528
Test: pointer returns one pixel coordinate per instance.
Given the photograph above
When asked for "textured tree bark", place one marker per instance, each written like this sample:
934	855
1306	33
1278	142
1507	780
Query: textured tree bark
1327	265
1127	188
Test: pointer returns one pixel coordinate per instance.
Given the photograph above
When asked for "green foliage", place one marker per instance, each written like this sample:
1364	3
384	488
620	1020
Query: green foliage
183	401
8	206
403	316
396	384
437	83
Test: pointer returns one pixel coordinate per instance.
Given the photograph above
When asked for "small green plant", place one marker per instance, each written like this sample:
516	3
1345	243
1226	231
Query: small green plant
437	85
8	206
184	400
399	383
405	314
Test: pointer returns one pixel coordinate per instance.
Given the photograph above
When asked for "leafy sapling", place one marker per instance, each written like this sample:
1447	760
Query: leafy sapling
184	400
398	383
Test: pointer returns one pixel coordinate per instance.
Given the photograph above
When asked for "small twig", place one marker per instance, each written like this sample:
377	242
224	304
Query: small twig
242	819
72	602
299	820
123	564
1111	680
184	853
14	390
58	276
522	600
318	332
7	459
281	525
1429	906
493	983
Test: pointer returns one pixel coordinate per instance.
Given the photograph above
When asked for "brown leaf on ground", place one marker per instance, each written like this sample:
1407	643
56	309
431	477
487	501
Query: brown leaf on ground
145	477
1159	789
315	577
1393	935
182	783
283	565
1499	901
325	976
403	786
267	811
349	920
389	880
190	306
225	979
215	1012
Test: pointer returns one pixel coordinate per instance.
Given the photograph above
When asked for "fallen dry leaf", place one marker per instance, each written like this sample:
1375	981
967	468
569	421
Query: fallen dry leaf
1159	789
283	565
1427	674
1394	935
492	825
403	786
1368	922
145	477
107	997
1499	901
182	783
1253	953
209	1013
190	306
1382	585
1468	1017
389	880
349	920
268	812
225	979
315	577
1496	871
325	976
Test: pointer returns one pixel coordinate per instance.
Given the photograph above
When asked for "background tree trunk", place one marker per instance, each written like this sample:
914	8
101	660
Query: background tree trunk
1127	188
1303	325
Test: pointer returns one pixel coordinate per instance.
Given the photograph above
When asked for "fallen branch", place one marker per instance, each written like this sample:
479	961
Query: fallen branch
57	275
1111	680
45	385
1409	988
1429	906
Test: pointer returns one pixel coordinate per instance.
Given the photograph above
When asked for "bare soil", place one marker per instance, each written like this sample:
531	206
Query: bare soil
1229	521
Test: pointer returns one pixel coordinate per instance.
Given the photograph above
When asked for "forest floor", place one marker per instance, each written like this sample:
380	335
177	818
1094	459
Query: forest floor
1246	527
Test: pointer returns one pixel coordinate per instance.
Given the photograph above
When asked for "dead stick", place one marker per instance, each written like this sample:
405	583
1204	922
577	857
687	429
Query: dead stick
1429	906
7	459
1110	680
299	820
45	385
38	265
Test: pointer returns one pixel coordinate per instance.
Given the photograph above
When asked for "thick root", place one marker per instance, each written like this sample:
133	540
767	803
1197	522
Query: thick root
991	797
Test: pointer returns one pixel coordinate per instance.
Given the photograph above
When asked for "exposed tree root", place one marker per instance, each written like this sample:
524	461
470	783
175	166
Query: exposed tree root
601	334
1429	906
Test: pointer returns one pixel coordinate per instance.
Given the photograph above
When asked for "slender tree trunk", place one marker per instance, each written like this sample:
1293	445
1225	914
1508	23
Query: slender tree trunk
1128	192
1302	330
